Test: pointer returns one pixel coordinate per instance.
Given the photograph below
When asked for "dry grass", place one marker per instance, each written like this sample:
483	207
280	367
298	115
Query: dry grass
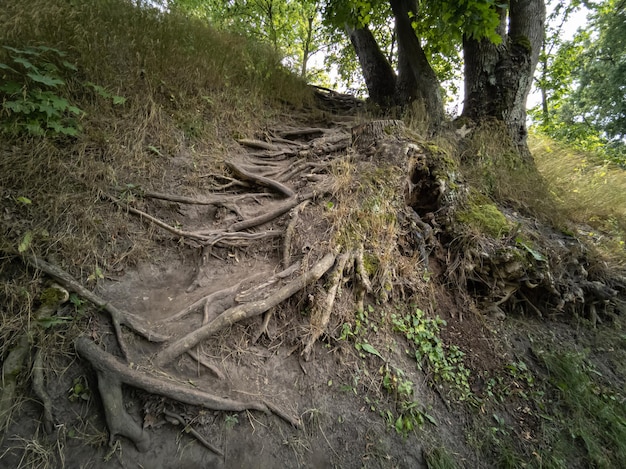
587	189
189	92
493	166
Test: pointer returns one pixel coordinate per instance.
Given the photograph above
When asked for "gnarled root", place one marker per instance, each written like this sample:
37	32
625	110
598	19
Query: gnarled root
40	391
112	374
321	315
245	311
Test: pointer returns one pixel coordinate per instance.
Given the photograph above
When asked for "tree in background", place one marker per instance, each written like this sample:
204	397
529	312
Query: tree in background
583	83
291	27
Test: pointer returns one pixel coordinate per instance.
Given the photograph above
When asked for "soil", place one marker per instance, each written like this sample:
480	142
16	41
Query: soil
335	394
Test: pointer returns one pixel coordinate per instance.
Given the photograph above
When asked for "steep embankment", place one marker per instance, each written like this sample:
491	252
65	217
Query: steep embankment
284	278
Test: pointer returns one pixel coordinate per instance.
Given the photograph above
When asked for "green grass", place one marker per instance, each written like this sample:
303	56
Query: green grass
585	415
587	189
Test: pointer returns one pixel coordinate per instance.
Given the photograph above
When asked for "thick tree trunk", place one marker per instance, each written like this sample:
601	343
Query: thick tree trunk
380	78
427	87
498	78
406	84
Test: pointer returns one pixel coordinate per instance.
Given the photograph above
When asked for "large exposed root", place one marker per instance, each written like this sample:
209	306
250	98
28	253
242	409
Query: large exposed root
245	311
118	317
320	317
15	363
112	374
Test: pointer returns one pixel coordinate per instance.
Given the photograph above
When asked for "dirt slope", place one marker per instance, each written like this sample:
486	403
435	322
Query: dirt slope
282	323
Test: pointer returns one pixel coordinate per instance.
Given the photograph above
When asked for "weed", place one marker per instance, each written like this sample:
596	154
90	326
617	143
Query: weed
79	390
32	90
231	420
588	190
439	458
445	363
585	415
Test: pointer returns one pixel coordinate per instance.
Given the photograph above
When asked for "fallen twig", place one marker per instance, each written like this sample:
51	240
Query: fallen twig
189	429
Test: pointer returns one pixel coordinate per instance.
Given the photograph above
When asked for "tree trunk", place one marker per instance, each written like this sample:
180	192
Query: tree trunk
379	77
307	47
498	78
427	87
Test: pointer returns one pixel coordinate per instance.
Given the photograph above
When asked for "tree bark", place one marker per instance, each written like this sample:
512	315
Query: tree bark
410	52
378	74
498	77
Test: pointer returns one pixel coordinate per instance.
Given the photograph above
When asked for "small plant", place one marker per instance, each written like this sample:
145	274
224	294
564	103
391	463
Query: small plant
32	89
445	363
79	390
231	420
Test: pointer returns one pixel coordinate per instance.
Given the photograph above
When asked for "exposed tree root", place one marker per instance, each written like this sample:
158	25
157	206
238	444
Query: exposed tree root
15	363
112	374
39	389
222	200
213	369
295	216
321	315
245	311
11	368
269	216
118	317
260	180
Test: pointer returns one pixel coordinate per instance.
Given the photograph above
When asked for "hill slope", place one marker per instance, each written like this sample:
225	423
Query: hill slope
300	283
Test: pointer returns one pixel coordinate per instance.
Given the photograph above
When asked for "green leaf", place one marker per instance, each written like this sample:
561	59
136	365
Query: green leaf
34	128
154	150
24	200
26	241
13	49
369	349
45	79
11	87
430	418
119	100
399	424
25	63
48	322
6	67
69	66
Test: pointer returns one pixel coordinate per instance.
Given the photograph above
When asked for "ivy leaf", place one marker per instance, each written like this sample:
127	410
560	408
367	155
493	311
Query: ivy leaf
69	66
11	87
25	63
6	67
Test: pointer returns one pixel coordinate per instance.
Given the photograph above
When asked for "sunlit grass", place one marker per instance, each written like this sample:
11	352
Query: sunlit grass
589	190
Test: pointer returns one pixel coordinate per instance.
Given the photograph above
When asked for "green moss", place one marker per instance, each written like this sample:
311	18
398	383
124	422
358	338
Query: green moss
522	41
370	263
51	296
484	216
